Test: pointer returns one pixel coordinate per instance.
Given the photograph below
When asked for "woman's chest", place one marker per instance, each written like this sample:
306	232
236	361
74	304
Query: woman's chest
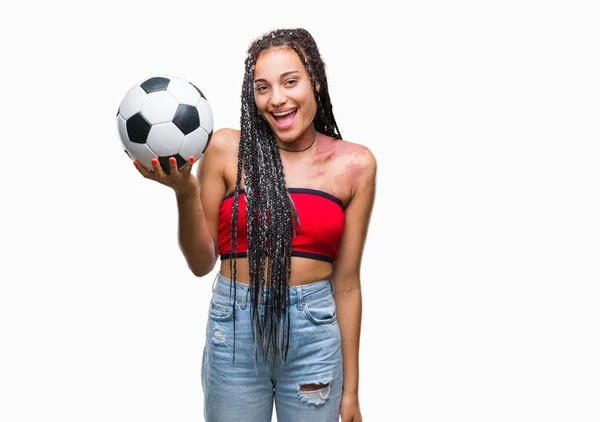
324	172
329	177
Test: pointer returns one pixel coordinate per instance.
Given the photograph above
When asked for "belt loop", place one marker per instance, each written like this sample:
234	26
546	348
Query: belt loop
244	296
331	282
215	282
300	299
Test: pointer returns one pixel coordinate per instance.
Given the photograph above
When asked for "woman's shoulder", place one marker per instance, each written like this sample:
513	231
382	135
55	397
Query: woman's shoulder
224	140
222	148
355	154
355	164
222	153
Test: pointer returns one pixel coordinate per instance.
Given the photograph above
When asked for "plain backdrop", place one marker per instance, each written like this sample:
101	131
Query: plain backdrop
480	275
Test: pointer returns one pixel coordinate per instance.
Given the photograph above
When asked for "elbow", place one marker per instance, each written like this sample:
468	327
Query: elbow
197	272
200	269
199	260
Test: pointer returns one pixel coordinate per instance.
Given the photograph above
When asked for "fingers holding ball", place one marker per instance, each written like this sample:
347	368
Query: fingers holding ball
144	171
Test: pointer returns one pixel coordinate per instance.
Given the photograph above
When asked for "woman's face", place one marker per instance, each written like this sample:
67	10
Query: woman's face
283	93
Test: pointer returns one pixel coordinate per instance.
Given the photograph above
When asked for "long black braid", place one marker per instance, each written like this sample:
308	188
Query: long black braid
270	212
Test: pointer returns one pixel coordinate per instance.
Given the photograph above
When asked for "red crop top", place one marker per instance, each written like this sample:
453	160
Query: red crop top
321	218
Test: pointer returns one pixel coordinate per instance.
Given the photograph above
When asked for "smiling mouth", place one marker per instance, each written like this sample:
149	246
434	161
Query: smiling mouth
284	119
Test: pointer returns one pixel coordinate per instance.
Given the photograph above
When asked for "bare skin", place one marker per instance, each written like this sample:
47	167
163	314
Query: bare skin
334	166
323	167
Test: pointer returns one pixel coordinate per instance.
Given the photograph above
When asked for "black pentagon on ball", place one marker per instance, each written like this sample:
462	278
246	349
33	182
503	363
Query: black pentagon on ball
200	92
186	118
166	166
137	128
155	84
207	141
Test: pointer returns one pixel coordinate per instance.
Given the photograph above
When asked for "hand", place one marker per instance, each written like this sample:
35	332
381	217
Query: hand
349	408
182	182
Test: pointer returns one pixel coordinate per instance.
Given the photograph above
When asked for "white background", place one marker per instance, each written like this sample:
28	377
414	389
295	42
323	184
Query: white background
481	270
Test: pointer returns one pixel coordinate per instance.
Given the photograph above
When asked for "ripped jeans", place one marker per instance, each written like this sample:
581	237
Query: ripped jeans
306	387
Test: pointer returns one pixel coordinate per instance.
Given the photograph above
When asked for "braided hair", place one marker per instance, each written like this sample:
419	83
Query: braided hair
270	212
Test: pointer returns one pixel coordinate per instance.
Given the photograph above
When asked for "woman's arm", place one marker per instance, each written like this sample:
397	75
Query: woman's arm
199	209
198	200
198	205
195	240
346	269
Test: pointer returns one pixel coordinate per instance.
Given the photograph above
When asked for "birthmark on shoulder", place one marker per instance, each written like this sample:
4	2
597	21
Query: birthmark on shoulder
353	165
355	156
324	156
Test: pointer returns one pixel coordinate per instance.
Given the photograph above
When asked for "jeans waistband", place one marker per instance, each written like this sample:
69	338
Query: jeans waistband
298	294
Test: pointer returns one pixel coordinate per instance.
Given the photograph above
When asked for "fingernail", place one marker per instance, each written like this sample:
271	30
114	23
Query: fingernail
171	160
154	161
135	163
192	159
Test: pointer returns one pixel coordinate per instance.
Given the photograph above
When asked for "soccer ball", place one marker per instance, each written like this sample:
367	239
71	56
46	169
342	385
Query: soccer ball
162	117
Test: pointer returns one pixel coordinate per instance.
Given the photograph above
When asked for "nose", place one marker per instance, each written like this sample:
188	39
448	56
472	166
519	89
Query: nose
278	98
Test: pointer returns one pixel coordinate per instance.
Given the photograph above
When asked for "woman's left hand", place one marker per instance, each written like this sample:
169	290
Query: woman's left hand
349	408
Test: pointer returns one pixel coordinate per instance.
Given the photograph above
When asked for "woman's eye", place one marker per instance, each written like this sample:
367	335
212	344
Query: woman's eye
260	88
291	81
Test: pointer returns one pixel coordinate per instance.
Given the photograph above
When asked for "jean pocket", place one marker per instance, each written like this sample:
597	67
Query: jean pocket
221	308
321	311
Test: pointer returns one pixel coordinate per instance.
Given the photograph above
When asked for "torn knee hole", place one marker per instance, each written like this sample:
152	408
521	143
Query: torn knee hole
314	393
312	387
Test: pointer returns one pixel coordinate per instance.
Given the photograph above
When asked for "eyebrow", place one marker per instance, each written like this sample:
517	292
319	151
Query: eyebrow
283	75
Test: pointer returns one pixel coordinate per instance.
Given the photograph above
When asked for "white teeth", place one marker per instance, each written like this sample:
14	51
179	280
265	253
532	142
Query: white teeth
284	113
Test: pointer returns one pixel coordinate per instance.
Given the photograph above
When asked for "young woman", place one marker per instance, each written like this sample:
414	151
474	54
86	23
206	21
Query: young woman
284	204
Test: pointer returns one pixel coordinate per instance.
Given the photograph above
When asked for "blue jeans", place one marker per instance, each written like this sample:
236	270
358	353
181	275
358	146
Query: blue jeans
244	390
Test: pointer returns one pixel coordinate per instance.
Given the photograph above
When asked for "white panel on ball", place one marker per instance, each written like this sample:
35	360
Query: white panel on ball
165	139
132	102
142	154
183	92
122	131
193	144
206	116
159	107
